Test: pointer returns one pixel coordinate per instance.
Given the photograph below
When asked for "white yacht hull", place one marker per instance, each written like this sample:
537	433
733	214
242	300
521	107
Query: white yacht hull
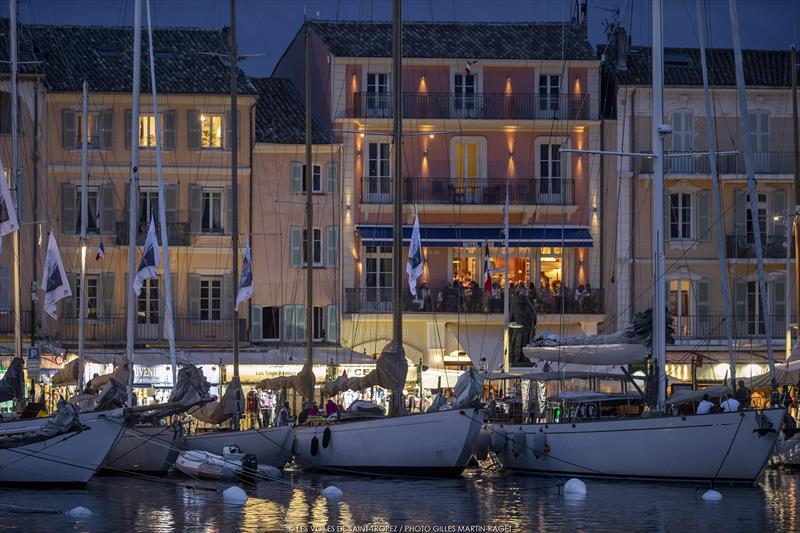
68	459
145	450
429	444
272	446
723	447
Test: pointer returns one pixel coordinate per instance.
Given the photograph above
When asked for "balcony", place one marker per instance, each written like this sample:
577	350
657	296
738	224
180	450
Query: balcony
746	329
453	300
7	322
177	230
187	330
743	247
765	163
475	106
487	191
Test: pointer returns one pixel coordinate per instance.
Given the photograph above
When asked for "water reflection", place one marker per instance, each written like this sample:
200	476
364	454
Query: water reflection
522	502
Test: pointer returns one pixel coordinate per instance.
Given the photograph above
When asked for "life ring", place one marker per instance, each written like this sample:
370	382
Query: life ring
326	437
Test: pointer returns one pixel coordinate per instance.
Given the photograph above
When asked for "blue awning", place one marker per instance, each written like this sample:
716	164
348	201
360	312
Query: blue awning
478	236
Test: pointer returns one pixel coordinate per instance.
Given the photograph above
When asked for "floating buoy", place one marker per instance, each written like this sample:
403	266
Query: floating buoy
332	492
712	496
80	512
234	496
575	486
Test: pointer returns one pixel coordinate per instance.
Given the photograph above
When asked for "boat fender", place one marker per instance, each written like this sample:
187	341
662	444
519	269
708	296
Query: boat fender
712	496
326	438
591	410
498	440
540	446
518	444
482	444
234	496
79	512
314	446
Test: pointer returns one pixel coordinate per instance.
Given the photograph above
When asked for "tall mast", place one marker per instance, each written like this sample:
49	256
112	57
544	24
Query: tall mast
309	179
133	197
234	144
506	294
162	211
751	191
796	215
659	333
720	227
15	175
84	222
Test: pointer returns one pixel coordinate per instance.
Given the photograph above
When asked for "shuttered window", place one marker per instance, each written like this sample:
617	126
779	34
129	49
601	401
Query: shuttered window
100	128
332	246
333	324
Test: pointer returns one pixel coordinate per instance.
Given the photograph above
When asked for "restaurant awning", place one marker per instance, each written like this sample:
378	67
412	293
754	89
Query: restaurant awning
478	236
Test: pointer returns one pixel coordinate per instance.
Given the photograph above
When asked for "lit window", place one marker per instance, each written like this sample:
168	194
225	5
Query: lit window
211	131
93	122
147	130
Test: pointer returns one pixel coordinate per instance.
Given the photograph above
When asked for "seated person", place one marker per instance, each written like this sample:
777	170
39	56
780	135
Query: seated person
705	406
729	404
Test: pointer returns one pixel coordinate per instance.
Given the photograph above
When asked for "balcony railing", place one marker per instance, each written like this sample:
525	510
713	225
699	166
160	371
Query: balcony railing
8	322
743	247
474	301
712	327
765	163
475	106
485	191
177	230
187	330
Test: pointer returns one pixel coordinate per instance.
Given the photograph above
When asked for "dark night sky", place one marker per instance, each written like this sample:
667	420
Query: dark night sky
267	26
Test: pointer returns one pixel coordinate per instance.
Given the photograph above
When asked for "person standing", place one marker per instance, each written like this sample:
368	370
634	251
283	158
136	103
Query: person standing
742	395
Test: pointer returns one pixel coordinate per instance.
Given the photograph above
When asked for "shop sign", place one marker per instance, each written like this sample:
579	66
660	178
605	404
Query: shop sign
153	375
256	373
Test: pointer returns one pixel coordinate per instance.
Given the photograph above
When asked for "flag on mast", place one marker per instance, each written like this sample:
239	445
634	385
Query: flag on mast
148	266
101	252
246	282
414	266
487	271
54	278
8	213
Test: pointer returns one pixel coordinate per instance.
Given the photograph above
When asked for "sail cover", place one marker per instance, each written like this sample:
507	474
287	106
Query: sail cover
591	351
784	375
65	420
219	411
12	385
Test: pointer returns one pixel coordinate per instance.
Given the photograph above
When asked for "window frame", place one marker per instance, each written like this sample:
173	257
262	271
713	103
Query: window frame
207	229
150	117
91	280
92	189
222	128
679	212
268	310
316	231
143	297
316	180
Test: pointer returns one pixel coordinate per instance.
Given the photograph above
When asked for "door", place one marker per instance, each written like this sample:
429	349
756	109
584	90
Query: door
465	104
759	136
378	99
549	96
147	311
379	182
682	141
550	177
466	183
680	305
378	278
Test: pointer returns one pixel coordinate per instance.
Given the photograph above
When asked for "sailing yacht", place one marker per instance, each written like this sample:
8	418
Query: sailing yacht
429	444
728	446
271	446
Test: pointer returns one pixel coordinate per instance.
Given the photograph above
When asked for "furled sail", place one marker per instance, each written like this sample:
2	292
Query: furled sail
390	373
303	382
65	421
220	410
67	375
12	385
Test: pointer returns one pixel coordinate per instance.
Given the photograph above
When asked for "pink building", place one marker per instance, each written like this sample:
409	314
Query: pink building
487	109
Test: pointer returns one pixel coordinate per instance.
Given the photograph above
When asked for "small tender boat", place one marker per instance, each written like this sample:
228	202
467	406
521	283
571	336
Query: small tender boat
231	464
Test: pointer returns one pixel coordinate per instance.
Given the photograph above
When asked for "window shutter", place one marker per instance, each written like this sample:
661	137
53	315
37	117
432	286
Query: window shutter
740	213
5	112
20	184
169	129
740	306
296	173
227	296
703	216
300	322
701	306
778	198
667	217
5	288
171	202
69	308
228	209
288	322
332	242
195	208
128	126
193	291
333	324
162	297
296	255
106	295
333	177
69	129
68	202
195	135
229	132
107	212
106	128
256	323
778	308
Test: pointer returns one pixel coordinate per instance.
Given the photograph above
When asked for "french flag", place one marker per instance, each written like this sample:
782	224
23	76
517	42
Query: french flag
468	67
101	252
487	272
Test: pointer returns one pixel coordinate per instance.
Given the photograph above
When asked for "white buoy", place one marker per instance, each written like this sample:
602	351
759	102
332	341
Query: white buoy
712	496
575	486
79	512
332	492
234	496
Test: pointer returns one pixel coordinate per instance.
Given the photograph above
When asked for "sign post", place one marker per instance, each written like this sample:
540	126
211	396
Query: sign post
34	362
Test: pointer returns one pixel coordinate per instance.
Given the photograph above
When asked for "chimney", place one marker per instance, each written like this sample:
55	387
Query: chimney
621	42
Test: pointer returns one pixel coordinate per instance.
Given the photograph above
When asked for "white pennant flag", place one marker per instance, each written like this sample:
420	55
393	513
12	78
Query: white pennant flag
414	265
54	278
148	265
246	282
8	213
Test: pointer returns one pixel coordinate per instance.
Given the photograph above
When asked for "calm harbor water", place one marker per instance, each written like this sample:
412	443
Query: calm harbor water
519	503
